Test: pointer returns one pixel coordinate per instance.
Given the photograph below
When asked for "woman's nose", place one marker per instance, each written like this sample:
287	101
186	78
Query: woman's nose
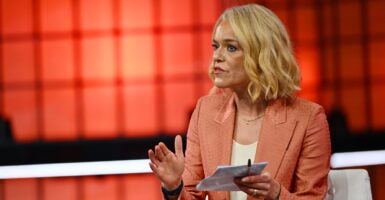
217	55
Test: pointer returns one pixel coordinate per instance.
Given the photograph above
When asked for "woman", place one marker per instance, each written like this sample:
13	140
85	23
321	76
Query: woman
251	113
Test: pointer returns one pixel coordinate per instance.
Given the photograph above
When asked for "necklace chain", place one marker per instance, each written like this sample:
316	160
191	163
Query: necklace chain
248	121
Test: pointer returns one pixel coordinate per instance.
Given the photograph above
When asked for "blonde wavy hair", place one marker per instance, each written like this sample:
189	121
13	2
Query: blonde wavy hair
269	61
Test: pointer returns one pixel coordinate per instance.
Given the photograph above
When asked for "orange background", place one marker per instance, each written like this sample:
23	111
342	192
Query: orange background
102	69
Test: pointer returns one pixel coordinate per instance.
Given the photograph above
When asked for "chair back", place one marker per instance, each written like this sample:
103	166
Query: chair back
349	184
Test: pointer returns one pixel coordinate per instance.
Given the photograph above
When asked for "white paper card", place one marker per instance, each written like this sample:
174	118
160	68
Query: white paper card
223	177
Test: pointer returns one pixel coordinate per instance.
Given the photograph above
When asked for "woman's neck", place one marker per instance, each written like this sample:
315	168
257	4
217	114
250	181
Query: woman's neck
247	108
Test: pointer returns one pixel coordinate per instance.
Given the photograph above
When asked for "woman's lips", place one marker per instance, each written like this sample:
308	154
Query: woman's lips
218	70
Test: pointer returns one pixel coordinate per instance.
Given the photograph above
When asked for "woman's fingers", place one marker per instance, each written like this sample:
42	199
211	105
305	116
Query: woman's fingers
255	185
154	162
261	186
178	146
265	177
154	168
164	149
159	153
152	157
164	163
161	150
255	192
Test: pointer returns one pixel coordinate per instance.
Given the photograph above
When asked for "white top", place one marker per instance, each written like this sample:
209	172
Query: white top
240	154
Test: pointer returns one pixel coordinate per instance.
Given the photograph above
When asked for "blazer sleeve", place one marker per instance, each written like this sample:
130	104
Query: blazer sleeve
193	172
311	174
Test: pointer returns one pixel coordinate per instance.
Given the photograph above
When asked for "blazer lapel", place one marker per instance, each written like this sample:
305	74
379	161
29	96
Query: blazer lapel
223	137
275	136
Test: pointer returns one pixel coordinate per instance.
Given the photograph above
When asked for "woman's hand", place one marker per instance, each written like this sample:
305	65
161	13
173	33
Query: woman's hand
259	186
166	165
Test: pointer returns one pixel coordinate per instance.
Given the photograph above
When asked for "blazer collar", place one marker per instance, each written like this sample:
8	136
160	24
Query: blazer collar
275	134
226	109
225	120
276	110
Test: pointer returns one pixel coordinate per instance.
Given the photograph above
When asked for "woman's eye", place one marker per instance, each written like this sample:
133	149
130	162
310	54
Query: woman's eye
231	48
215	46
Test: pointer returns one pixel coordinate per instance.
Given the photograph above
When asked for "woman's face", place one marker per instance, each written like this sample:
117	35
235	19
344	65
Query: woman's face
228	59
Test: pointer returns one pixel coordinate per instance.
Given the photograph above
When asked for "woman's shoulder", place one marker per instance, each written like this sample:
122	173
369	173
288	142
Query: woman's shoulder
303	105
298	101
215	98
215	102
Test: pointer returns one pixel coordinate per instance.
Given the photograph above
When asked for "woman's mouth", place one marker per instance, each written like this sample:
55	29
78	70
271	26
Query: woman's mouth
218	70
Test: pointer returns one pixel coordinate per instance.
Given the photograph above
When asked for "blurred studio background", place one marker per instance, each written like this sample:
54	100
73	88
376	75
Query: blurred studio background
104	80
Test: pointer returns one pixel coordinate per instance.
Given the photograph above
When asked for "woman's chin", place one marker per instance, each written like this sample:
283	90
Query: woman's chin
220	83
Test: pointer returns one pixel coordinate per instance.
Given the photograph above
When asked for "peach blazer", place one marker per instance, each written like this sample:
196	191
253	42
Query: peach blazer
294	140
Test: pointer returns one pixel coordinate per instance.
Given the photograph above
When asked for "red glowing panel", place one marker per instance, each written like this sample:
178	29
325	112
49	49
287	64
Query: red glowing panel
206	51
378	106
56	15
138	56
309	63
98	58
20	108
57	60
100	112
306	24
18	62
282	15
350	16
328	21
59	114
271	3
179	103
141	186
100	188
140	110
136	14
353	103
208	12
16	16
177	51
231	3
25	189
207	86
377	61
351	61
329	66
309	94
96	14
376	17
59	189
176	12
328	99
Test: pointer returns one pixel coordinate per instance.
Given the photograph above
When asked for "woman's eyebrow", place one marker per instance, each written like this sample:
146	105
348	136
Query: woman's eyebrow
226	40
